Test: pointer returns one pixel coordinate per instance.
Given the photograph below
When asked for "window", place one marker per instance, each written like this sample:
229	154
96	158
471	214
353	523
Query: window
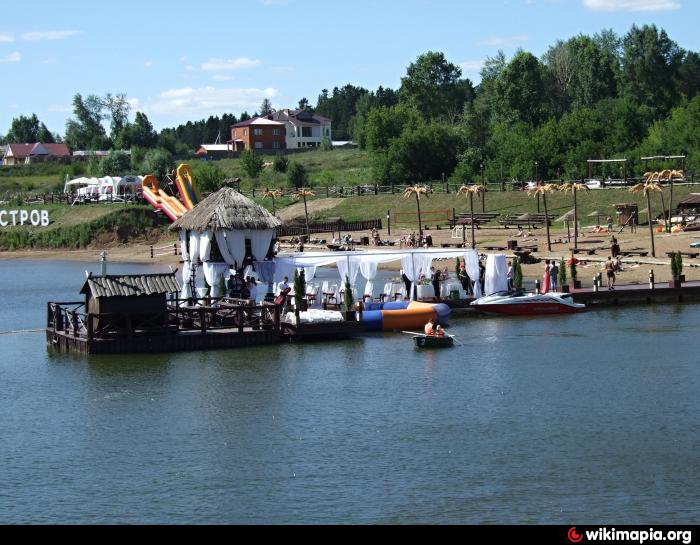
306	132
257	132
245	132
258	145
275	145
275	132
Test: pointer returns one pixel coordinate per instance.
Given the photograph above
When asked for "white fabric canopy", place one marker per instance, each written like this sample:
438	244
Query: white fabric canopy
186	292
413	265
235	240
223	248
194	246
496	274
368	269
259	242
471	265
348	266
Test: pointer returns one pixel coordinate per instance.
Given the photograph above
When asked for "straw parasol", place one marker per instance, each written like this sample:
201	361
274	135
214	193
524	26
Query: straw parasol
567	218
226	210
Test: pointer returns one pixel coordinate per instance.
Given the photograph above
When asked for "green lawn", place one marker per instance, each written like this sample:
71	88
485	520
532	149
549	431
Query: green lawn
46	183
337	167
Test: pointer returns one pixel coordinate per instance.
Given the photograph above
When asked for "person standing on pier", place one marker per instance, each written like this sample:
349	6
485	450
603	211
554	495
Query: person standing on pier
435	275
509	276
610	270
553	276
464	279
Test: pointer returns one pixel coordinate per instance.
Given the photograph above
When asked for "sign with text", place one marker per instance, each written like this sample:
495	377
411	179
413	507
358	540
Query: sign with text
13	218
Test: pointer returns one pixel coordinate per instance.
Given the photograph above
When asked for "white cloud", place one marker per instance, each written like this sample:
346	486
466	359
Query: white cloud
632	5
222	77
471	66
49	35
218	65
504	41
12	57
6	38
148	64
188	102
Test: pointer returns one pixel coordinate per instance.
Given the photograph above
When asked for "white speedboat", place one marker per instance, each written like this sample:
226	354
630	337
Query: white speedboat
527	304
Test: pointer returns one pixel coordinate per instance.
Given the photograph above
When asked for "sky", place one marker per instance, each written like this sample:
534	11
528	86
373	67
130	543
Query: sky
178	61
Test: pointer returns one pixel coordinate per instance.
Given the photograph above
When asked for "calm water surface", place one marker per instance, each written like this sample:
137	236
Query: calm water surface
577	420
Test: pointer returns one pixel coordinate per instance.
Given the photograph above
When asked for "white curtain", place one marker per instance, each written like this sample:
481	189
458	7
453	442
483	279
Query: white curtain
413	265
223	247
235	241
368	269
205	246
194	246
186	292
266	273
496	274
259	242
471	264
348	266
214	272
183	246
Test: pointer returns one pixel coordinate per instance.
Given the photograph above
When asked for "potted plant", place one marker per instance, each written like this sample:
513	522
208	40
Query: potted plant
300	301
676	270
562	277
517	275
348	302
575	284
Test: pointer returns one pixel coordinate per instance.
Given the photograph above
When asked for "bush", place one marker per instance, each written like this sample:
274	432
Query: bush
251	163
348	300
158	162
299	288
562	273
209	177
138	155
296	174
281	163
517	274
326	144
117	163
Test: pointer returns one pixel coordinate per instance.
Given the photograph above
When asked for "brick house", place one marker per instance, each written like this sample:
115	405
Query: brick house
260	134
24	154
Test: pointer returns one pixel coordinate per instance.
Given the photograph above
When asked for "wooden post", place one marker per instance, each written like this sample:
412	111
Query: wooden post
74	323
89	326
151	252
277	318
240	319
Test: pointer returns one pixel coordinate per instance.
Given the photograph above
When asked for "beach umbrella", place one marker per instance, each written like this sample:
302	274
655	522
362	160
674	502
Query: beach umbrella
567	218
597	216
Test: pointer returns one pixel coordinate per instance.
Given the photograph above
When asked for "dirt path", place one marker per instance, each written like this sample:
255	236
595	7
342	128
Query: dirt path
296	211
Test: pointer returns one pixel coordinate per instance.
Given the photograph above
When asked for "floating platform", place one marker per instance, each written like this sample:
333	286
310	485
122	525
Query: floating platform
322	331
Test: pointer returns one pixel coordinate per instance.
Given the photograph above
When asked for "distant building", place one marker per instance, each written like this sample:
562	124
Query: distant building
304	128
25	154
213	151
260	134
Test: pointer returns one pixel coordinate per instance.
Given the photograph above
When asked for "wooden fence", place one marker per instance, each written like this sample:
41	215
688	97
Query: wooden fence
328	227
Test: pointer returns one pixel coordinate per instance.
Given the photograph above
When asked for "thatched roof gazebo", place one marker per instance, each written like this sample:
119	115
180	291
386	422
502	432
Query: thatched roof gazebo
224	231
226	209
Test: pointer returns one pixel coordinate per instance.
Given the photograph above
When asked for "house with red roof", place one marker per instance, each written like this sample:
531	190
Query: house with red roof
24	154
259	134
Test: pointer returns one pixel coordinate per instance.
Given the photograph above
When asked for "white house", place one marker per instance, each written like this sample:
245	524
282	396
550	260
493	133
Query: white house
304	128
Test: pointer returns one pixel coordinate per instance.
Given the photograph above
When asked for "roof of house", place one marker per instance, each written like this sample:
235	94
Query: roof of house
257	121
207	148
299	116
692	199
26	150
137	285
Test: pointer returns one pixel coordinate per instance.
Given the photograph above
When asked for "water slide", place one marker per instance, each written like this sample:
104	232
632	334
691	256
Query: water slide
186	187
160	200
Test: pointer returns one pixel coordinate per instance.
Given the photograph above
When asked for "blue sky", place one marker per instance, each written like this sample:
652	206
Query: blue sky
180	61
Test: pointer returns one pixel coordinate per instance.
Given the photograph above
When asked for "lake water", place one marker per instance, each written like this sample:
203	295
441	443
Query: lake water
573	420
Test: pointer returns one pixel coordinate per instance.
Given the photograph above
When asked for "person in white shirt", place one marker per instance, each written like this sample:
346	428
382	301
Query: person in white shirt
284	285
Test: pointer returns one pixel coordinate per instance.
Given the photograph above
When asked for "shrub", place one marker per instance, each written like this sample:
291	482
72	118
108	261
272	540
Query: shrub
676	265
348	300
209	177
326	144
251	163
296	174
116	163
299	288
281	163
158	162
517	274
562	273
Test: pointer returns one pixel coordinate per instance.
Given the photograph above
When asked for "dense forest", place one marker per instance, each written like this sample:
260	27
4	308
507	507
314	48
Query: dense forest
589	97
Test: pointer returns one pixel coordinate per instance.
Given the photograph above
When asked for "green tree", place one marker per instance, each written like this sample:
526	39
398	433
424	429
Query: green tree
252	163
340	106
436	88
28	130
280	163
296	174
86	132
118	107
209	176
158	162
266	107
650	68
117	163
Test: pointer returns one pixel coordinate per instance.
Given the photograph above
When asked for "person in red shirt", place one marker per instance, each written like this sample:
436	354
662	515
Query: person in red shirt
429	329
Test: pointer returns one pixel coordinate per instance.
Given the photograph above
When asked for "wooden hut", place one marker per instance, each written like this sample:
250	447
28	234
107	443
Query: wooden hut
131	302
690	205
625	212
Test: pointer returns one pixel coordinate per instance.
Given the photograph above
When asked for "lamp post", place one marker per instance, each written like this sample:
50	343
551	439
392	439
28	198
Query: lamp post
483	193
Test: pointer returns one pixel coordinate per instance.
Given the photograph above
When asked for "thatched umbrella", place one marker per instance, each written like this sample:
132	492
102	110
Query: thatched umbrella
543	189
226	210
597	216
567	218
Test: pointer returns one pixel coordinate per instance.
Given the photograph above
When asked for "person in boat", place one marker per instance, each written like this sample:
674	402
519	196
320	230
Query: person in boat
553	276
546	278
509	276
439	332
430	328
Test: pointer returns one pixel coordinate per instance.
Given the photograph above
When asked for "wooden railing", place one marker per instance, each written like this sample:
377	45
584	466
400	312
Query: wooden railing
179	316
329	227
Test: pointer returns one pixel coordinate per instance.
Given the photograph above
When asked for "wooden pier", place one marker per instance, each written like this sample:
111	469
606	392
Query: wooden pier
638	294
227	324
